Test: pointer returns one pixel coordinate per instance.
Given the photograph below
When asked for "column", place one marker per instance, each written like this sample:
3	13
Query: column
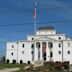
46	51
17	52
62	51
41	58
35	52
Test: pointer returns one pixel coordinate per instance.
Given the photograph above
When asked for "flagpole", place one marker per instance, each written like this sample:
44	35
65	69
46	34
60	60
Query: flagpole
35	17
34	28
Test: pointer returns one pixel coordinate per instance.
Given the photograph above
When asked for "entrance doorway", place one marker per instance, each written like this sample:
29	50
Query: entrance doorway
44	50
44	56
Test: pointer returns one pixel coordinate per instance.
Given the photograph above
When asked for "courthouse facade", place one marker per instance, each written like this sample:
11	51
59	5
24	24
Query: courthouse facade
46	45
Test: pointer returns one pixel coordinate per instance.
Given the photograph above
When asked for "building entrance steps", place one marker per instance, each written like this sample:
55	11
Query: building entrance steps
38	63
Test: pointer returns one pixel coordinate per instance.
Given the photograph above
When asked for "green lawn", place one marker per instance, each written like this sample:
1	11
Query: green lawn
21	66
2	66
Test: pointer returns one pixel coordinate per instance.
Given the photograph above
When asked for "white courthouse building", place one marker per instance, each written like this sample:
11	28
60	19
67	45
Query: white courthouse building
46	45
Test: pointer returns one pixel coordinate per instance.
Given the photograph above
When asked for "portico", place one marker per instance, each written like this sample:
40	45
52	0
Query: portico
43	50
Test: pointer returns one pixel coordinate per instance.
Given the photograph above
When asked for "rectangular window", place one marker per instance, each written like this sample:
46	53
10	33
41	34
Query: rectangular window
44	56
68	44
50	44
12	53
32	46
38	44
59	52
12	46
59	45
51	54
22	52
32	52
23	45
68	52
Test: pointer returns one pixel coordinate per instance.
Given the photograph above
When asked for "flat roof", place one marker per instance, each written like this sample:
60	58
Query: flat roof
46	28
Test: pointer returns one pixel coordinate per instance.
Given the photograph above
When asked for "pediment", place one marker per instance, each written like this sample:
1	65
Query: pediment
45	38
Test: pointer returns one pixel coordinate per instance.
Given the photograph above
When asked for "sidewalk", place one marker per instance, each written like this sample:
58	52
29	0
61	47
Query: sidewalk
10	69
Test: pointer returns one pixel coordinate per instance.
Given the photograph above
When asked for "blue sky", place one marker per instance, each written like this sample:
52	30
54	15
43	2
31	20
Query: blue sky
16	18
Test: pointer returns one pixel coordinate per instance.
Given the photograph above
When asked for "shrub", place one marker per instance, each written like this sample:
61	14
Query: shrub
66	65
49	63
58	65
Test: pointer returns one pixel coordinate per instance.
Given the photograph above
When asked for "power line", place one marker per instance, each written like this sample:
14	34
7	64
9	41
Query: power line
30	9
22	24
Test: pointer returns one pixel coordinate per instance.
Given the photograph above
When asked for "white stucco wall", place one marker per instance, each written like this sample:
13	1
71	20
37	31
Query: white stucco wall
27	56
10	50
45	32
56	36
56	49
66	48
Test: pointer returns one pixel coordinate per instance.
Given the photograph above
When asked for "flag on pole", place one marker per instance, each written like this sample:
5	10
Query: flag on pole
34	16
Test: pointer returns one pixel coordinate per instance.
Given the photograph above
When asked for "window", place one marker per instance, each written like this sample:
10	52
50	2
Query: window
23	45
38	44
21	61
32	46
12	46
44	56
12	53
14	61
29	62
7	61
68	44
32	52
50	44
32	38
68	52
51	54
59	38
59	52
59	45
22	52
